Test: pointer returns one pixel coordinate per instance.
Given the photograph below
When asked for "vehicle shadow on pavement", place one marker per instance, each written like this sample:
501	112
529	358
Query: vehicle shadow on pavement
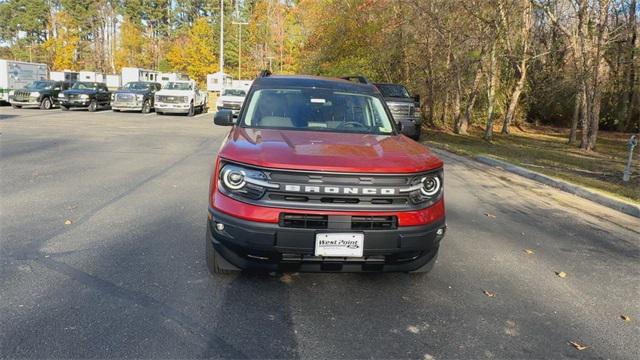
254	317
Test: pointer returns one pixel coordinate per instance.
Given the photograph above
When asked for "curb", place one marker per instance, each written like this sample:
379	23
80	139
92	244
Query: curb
608	201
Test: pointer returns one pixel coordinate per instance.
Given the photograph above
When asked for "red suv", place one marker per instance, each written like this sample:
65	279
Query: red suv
315	176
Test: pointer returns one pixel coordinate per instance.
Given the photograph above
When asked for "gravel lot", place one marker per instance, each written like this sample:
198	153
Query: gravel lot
102	255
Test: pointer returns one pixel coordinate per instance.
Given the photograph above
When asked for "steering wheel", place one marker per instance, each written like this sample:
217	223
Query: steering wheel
353	124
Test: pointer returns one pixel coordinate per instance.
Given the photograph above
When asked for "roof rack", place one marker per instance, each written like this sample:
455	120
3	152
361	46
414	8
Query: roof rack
264	73
357	79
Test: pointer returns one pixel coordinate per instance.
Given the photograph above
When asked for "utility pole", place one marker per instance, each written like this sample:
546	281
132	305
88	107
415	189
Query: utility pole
240	46
222	36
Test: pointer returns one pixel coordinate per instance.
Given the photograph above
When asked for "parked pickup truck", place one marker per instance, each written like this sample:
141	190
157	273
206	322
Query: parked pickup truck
404	108
231	99
89	95
315	176
181	97
43	94
135	96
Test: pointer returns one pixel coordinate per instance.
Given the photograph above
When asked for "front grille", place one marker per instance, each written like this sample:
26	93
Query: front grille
374	222
361	223
303	221
125	97
172	99
21	95
73	96
231	105
402	109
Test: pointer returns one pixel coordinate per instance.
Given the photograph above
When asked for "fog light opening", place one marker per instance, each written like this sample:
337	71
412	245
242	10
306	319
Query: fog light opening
219	226
440	232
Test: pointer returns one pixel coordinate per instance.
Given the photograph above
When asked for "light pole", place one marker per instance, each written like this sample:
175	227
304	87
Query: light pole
222	36
240	46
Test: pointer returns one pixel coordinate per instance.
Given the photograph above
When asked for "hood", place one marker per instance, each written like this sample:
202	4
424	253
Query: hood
319	151
128	91
80	91
167	92
234	99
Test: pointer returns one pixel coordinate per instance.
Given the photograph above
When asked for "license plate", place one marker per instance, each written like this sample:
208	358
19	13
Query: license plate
339	244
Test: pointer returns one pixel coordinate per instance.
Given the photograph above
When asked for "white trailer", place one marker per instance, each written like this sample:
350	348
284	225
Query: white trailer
66	75
114	82
90	76
130	74
241	84
166	77
218	81
17	74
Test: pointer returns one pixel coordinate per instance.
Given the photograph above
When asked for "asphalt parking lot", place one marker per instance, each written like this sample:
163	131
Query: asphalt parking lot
102	231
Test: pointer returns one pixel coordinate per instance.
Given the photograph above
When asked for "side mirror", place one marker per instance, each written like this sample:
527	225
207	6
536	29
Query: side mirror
223	118
399	125
416	98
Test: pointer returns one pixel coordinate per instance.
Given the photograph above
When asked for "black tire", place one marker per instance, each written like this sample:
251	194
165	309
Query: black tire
146	107
46	104
116	110
16	106
216	264
159	112
192	110
64	108
93	106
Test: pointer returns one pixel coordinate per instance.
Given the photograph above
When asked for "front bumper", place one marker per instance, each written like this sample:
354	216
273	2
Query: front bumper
172	108
266	246
126	106
75	103
30	102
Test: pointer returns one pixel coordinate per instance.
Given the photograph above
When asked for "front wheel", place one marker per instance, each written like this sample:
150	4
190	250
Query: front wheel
192	110
46	104
146	107
159	112
93	106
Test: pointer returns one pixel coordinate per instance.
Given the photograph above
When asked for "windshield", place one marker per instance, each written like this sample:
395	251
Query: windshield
136	86
178	86
85	86
315	109
234	92
40	85
392	90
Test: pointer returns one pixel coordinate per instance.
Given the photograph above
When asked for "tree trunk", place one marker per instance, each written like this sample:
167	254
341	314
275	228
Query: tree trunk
522	68
576	115
457	100
491	91
466	118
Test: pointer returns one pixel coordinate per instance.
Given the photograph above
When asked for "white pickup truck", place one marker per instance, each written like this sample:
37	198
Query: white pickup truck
181	97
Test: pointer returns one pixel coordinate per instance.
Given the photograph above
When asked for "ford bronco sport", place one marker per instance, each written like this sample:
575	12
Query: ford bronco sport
314	176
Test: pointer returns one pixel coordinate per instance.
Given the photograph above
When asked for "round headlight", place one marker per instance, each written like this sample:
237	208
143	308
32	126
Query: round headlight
430	185
233	178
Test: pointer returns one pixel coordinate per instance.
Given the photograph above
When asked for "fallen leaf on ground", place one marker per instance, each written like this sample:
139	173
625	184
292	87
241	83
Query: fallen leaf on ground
625	318
488	293
67	222
529	251
286	278
578	346
489	215
561	274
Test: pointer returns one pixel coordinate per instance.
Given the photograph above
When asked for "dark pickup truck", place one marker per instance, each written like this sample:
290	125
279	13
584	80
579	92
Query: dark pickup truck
135	96
43	93
404	108
90	95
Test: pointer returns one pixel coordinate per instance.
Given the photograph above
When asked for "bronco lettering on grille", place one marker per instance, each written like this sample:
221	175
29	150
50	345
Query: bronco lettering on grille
339	190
